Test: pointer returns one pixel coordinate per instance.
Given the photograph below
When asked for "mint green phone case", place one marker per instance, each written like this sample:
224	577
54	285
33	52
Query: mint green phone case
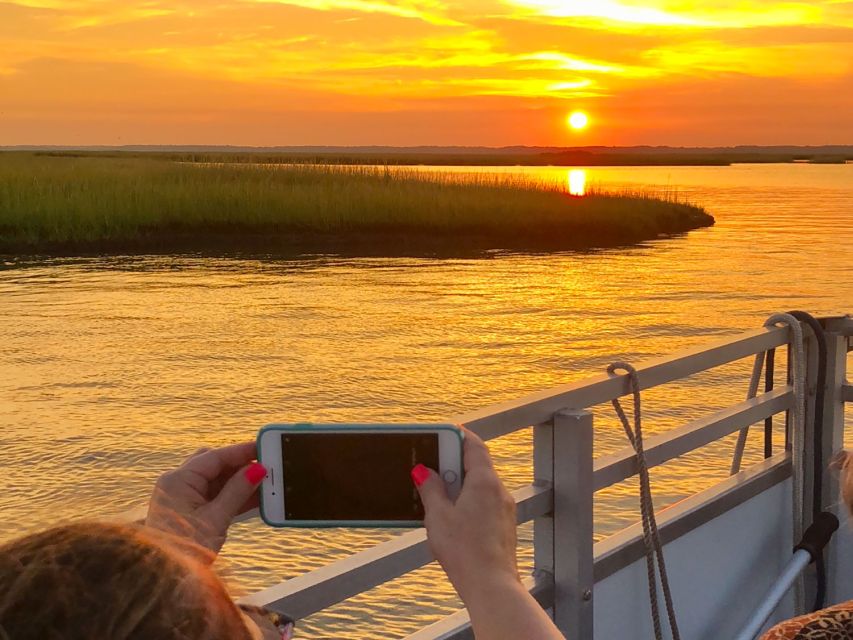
398	524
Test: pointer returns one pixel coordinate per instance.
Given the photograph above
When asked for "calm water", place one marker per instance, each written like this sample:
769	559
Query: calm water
114	369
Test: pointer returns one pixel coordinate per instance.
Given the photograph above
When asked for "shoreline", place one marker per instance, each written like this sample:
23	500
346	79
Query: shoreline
359	244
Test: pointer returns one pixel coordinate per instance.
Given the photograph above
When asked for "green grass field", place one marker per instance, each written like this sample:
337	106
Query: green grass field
69	205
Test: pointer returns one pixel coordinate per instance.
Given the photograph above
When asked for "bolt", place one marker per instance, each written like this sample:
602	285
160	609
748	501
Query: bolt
587	594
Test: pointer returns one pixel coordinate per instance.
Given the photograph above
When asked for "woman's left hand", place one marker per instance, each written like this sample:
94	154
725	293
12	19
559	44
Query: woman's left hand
199	499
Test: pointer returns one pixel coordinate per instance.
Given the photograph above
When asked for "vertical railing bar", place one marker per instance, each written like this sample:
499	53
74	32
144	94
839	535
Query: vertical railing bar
543	473
789	378
573	523
769	372
808	454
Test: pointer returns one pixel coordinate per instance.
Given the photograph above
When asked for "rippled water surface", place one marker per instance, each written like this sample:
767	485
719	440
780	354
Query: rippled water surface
114	369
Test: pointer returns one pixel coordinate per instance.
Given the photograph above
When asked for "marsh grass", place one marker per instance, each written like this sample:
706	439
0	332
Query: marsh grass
66	204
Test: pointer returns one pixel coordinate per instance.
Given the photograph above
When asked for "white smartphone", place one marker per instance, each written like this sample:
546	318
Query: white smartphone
353	475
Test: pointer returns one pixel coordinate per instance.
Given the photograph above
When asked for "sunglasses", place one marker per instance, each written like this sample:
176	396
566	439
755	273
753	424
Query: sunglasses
272	625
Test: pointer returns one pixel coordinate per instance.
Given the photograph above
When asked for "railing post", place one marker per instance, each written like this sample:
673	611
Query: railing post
563	540
833	408
833	440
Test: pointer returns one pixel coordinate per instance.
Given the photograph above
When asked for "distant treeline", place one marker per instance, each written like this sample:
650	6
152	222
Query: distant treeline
461	156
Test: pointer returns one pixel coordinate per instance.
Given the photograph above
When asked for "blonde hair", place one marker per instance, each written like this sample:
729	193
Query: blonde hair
841	462
111	582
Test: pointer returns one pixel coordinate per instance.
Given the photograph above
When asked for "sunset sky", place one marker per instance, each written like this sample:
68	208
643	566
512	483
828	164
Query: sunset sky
411	72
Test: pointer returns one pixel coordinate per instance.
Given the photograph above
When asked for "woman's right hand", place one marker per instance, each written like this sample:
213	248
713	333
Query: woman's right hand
474	539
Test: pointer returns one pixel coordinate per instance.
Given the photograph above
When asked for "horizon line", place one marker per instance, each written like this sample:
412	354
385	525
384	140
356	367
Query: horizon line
423	148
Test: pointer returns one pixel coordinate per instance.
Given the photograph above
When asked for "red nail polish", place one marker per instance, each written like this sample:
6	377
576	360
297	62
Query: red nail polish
419	474
256	472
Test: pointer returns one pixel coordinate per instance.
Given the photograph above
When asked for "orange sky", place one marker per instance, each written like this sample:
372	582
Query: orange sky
410	72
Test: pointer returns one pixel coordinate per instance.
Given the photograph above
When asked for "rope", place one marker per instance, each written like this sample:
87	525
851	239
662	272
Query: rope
797	431
817	448
820	394
651	537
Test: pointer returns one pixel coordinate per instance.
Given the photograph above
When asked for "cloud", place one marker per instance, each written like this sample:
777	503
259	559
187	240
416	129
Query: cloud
780	61
427	11
675	14
563	61
608	10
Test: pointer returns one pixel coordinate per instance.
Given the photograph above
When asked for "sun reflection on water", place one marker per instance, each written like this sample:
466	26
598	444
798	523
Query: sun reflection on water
577	182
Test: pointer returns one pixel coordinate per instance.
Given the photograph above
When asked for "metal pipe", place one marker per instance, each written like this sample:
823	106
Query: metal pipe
799	562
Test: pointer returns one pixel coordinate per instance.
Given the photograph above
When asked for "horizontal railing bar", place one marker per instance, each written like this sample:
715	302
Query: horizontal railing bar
457	626
137	515
842	325
327	585
626	547
536	408
251	514
847	392
610	469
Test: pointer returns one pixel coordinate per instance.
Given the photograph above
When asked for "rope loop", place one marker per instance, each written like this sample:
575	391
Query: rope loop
651	536
797	357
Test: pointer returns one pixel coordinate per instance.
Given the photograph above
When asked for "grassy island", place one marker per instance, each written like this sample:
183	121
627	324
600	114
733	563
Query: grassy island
76	205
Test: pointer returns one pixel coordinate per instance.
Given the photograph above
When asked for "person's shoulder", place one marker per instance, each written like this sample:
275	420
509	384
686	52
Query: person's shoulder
832	623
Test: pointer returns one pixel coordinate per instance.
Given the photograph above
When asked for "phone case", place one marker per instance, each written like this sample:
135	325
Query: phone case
375	524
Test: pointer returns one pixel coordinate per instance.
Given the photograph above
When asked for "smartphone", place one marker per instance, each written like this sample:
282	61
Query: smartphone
353	475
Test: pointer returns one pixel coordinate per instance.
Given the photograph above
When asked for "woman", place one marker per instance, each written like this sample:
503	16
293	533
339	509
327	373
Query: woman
123	582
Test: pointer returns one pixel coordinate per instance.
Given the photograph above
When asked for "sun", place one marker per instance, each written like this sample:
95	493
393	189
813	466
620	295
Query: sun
578	120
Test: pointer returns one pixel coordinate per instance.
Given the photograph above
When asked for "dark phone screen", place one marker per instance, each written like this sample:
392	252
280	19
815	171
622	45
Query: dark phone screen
354	476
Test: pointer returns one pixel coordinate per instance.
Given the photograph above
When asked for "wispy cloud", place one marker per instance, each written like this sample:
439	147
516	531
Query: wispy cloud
430	12
813	61
609	10
555	59
696	15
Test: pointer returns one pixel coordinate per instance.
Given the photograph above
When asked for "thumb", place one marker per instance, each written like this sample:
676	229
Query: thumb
239	489
430	487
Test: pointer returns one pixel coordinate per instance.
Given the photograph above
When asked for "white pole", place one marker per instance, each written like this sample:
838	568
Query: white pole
799	562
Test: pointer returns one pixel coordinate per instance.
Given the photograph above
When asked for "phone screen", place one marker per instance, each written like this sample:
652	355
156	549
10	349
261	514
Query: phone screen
354	476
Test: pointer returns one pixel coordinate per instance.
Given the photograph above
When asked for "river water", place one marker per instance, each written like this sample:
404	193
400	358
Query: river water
114	369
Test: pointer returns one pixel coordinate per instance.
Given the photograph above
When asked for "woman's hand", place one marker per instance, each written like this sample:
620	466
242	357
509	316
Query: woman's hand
199	499
474	539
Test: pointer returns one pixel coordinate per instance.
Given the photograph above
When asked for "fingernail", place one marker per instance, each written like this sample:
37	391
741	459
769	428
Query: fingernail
419	474
256	472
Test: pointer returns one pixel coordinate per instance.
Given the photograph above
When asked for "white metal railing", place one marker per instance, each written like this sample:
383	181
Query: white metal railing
567	565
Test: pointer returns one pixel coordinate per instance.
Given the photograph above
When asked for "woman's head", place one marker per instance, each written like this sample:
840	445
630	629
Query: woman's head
113	582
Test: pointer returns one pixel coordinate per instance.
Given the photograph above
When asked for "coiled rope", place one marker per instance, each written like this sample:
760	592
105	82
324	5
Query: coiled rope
797	432
651	537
